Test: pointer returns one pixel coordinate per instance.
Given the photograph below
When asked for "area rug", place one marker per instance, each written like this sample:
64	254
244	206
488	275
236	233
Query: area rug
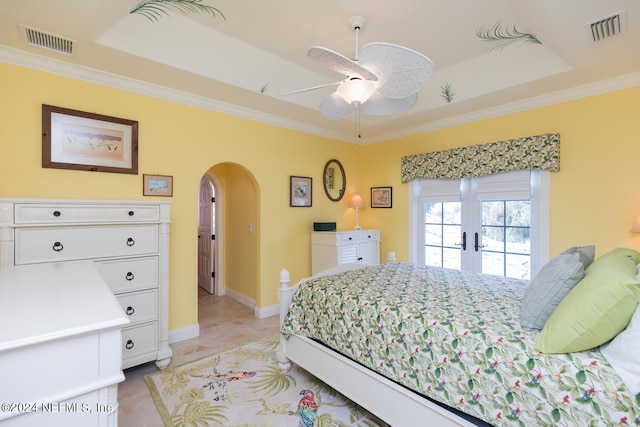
245	387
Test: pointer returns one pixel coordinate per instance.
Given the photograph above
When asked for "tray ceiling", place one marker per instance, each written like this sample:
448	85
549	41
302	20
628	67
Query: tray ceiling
242	59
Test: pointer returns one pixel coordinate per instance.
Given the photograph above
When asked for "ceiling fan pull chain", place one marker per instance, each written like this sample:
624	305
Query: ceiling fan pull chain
358	135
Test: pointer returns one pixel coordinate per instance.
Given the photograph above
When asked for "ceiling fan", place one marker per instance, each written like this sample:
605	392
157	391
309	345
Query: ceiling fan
383	79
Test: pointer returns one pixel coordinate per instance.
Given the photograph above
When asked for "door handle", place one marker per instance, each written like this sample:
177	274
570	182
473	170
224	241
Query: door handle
464	241
477	246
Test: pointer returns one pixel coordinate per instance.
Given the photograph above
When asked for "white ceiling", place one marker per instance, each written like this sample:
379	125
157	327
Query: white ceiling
243	60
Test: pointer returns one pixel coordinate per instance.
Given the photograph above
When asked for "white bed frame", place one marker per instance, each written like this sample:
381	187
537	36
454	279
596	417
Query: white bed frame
385	399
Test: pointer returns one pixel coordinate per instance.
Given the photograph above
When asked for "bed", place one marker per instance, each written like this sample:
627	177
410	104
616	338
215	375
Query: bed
446	348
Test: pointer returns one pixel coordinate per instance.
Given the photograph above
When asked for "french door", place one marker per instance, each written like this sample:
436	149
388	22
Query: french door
489	224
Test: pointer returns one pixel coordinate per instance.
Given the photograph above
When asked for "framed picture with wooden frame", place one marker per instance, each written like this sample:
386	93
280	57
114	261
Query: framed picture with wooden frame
73	139
300	191
381	197
157	185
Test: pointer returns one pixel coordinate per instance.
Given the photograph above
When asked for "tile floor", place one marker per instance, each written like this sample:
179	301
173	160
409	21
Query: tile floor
224	324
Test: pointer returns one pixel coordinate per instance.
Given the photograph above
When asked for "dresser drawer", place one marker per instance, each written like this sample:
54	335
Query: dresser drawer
348	237
33	245
27	213
333	238
125	275
140	306
365	236
137	340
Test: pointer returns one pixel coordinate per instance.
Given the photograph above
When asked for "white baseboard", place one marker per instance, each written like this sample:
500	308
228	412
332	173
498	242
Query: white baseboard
185	333
242	299
260	313
264	312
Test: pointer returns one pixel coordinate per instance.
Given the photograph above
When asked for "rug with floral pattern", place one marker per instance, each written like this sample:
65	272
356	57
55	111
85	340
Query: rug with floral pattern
245	387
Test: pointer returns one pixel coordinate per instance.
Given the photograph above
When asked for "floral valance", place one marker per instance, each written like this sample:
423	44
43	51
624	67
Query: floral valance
531	152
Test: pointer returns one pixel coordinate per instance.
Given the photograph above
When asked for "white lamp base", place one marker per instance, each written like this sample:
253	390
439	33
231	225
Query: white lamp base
357	227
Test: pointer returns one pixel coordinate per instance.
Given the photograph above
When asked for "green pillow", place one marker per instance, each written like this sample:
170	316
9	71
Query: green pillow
598	308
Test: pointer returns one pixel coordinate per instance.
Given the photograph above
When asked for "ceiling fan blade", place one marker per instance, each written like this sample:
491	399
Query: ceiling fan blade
339	63
334	107
380	105
401	71
311	88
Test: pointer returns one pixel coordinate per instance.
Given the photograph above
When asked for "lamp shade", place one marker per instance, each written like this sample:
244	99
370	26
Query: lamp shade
636	226
356	91
356	202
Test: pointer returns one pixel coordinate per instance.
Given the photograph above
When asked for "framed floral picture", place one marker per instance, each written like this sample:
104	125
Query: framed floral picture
300	191
381	197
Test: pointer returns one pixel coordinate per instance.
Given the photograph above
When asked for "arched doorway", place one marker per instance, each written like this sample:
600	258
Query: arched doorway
232	237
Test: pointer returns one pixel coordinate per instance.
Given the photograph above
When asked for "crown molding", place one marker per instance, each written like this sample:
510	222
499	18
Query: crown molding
583	91
92	75
79	72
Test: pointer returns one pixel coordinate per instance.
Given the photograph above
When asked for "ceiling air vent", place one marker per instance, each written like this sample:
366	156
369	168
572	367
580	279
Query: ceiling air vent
48	41
607	27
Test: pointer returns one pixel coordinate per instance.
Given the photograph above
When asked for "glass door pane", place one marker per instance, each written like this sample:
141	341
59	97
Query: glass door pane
442	226
506	238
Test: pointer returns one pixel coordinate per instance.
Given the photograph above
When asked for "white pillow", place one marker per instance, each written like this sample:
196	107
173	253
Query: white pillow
622	353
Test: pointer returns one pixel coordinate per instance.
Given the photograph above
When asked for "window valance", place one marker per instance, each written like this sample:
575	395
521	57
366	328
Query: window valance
531	152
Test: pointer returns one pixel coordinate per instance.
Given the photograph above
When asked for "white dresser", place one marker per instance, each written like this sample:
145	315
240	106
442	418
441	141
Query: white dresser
60	346
332	248
127	240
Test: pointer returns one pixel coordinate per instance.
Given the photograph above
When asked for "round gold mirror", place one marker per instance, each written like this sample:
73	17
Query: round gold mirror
334	180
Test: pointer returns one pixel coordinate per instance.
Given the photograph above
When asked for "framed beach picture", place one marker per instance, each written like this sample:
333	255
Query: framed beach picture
157	185
300	191
73	139
381	197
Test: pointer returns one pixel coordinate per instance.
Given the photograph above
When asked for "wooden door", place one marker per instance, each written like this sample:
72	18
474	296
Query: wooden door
206	236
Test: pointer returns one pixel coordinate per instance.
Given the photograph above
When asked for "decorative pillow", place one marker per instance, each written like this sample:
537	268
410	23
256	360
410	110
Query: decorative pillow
587	254
597	308
622	353
552	283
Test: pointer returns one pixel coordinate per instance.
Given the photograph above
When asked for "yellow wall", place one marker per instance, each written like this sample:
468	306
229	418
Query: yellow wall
184	142
240	210
593	198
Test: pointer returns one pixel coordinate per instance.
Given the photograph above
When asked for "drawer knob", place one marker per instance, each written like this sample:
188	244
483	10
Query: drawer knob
129	345
129	276
130	241
350	238
56	213
131	213
57	246
130	311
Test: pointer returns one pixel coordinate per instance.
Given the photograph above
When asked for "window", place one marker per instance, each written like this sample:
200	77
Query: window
492	224
442	225
506	231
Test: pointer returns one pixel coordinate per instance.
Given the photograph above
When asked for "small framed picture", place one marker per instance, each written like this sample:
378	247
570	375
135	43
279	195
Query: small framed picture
381	197
300	191
157	185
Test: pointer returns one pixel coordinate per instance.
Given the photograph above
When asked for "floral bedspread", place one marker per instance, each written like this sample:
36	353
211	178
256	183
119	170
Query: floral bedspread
455	337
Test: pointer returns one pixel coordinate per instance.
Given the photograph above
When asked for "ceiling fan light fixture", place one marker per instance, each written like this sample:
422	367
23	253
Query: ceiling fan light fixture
356	91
